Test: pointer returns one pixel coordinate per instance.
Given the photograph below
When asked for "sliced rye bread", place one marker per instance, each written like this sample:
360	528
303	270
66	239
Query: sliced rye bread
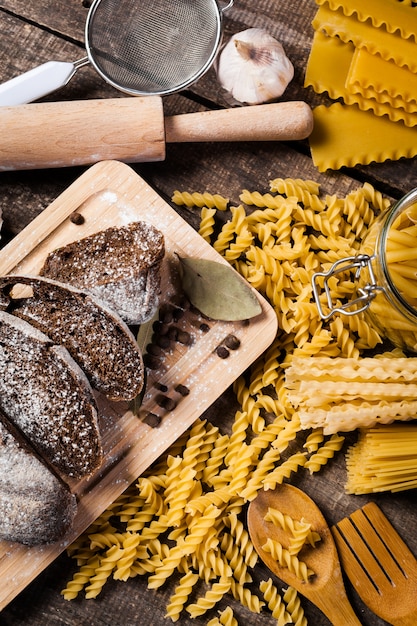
35	505
120	265
47	396
95	336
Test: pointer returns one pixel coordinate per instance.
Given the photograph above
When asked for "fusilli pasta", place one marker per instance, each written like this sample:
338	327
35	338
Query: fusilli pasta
184	516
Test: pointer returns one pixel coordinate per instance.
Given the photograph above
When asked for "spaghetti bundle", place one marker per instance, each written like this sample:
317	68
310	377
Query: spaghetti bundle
383	459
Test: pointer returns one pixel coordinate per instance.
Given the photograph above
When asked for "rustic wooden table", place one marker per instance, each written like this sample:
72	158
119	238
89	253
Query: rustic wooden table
35	31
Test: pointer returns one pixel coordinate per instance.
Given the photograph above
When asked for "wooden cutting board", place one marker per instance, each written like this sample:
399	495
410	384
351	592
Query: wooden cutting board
108	194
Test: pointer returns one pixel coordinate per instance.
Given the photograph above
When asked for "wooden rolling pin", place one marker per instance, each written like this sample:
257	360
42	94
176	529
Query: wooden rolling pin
62	134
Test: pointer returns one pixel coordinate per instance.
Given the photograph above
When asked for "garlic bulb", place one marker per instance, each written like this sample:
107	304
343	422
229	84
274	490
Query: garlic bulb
253	67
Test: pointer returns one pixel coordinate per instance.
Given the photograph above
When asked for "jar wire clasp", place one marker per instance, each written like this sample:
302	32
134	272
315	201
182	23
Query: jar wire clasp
365	294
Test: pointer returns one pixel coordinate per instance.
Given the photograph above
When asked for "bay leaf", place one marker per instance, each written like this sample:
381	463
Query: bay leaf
136	403
145	332
143	339
217	290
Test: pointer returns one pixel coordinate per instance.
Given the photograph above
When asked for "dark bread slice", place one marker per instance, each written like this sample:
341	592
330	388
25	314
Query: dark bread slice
35	505
120	265
46	395
95	336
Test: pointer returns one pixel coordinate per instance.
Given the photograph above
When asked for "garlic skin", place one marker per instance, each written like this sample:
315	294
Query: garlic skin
253	67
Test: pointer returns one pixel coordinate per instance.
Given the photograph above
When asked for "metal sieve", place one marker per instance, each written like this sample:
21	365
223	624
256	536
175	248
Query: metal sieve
141	47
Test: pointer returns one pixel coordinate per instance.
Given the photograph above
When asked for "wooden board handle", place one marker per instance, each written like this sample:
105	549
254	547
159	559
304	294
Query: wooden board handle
281	121
61	134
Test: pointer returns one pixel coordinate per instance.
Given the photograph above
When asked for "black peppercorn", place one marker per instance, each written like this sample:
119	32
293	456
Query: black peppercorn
152	420
165	402
182	389
232	342
77	218
222	352
184	337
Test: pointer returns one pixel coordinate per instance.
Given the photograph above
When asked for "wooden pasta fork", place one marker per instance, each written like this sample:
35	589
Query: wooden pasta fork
379	565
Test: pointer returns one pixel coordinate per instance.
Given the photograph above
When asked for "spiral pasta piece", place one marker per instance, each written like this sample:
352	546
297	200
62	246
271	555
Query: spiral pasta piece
235	559
81	578
294	186
183	487
226	618
242	539
261	200
240	469
287	560
314	440
294	608
128	557
216	458
263	469
238	436
275	602
106	538
277	476
298	530
103	572
324	453
200	199
207	223
180	596
246	597
210	599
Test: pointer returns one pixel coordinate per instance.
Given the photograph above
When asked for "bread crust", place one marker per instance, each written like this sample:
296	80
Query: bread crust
120	265
35	505
95	336
46	395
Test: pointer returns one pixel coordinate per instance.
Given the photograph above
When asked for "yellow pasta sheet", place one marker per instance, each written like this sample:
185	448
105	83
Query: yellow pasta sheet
364	35
343	135
329	69
371	74
393	15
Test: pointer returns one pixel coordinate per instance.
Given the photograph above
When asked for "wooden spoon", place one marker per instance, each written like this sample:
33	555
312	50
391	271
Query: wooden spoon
325	588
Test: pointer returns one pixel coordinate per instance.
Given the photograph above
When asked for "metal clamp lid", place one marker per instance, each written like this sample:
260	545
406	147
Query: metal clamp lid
366	294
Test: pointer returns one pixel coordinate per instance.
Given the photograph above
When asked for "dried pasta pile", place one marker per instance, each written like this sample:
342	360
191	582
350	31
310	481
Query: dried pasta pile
182	523
280	239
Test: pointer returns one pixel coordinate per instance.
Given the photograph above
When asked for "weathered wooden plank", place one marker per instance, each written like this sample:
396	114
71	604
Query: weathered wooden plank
226	168
65	18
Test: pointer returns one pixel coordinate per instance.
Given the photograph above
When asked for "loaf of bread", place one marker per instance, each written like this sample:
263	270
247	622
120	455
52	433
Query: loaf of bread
35	506
46	395
120	265
95	336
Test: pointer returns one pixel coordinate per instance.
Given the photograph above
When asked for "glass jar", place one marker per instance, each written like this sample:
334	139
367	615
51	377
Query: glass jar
386	274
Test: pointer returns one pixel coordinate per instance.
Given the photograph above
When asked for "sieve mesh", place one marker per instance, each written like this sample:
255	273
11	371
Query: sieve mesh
152	47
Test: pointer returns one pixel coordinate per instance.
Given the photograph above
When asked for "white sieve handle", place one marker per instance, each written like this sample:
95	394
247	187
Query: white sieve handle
38	82
225	6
